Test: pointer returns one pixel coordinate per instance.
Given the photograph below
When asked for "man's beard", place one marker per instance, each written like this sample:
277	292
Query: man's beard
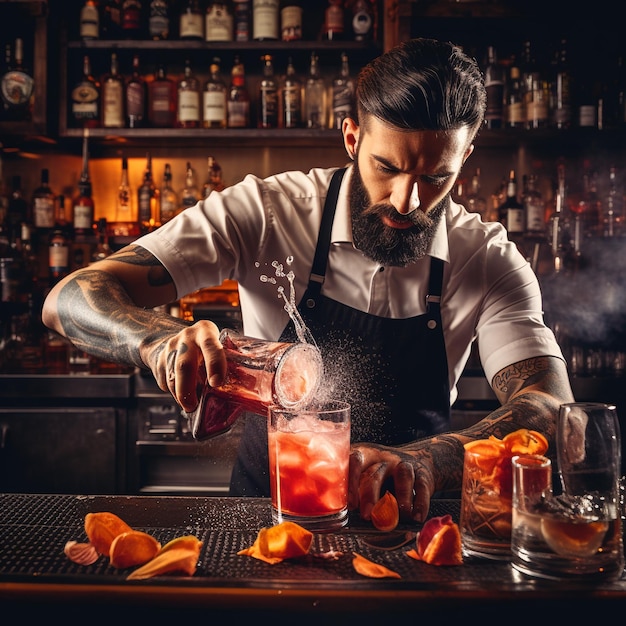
383	244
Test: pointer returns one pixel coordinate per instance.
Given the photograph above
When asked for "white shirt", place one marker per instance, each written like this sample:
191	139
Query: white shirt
489	290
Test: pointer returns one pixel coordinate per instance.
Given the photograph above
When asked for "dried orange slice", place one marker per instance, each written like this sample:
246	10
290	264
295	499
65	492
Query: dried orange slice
525	441
286	540
103	528
386	515
133	548
368	568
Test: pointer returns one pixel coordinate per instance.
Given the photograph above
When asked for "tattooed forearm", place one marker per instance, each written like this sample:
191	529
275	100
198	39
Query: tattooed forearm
99	317
136	255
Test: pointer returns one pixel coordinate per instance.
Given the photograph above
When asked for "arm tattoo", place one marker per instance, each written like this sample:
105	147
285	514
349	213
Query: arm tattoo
98	317
136	255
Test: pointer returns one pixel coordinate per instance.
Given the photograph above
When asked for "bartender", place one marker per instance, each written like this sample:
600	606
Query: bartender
394	280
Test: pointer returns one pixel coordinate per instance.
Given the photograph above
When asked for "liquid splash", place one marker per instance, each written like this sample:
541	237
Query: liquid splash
289	301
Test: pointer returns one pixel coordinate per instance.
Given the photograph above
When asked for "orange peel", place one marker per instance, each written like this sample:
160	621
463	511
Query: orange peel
438	543
286	540
368	568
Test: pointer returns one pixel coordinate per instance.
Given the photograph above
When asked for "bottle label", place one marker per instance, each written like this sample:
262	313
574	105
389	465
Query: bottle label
159	24
291	106
135	101
85	102
238	114
265	19
342	102
83	218
191	25
362	24
515	114
17	88
218	24
214	107
112	110
43	212
515	220
291	23
242	20
188	106
58	257
89	22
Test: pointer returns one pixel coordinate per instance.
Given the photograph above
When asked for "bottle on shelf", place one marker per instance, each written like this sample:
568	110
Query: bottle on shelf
214	98
315	106
534	207
561	88
162	100
342	89
44	200
511	211
191	21
17	209
147	200
123	209
265	18
135	97
169	199
242	14
536	89
515	111
190	193
17	86
268	114
62	220
159	20
218	24
495	78
83	209
132	19
102	248
613	207
238	104
214	181
334	17
89	21
111	19
58	256
112	90
475	202
188	113
364	18
291	98
85	98
291	20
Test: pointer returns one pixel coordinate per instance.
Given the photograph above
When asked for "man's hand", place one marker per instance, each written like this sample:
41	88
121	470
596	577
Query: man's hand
371	466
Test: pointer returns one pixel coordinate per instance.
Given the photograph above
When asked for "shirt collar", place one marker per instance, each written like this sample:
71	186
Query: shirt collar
342	225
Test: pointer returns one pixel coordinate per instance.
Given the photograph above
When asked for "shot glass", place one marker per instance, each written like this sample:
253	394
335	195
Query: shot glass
485	520
309	452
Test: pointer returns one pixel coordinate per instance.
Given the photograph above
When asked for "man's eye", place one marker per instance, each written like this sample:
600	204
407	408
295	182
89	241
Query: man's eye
386	170
436	181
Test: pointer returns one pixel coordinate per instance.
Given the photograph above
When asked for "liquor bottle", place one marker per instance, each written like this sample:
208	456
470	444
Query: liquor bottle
83	207
89	25
111	22
343	104
291	20
112	90
162	99
102	249
511	211
159	20
475	201
85	98
132	22
169	200
191	21
333	27
188	99
44	203
534	207
265	20
214	181
58	256
291	98
238	104
17	209
364	19
268	96
62	220
214	98
562	105
243	19
218	24
494	86
314	96
135	97
123	209
148	200
515	111
536	91
17	86
189	194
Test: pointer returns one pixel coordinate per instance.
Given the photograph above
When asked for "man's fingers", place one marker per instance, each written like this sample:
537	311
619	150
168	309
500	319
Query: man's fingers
404	487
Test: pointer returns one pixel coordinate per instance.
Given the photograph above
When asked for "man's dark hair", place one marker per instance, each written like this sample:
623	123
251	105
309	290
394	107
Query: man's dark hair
423	84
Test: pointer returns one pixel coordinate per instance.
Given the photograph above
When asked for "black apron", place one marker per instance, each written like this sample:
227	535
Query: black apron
394	372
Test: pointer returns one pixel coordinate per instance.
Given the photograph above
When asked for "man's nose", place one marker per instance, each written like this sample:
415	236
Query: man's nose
405	198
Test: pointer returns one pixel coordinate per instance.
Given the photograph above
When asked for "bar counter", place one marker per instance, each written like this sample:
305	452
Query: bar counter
37	580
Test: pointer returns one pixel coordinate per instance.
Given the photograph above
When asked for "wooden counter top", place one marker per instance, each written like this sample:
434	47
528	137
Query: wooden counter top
36	577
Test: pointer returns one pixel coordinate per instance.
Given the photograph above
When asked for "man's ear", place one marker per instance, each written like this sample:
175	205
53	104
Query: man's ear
469	151
350	131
